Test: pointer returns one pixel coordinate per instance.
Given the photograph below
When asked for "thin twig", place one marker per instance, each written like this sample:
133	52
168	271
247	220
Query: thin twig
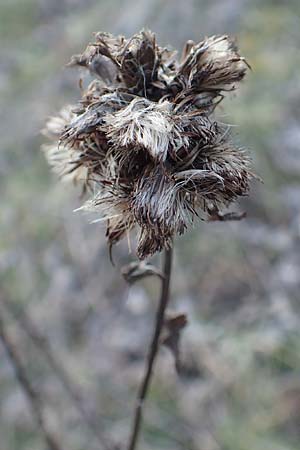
42	343
31	393
153	350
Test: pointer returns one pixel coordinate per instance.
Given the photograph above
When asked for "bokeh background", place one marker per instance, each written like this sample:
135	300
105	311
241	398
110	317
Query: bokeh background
239	283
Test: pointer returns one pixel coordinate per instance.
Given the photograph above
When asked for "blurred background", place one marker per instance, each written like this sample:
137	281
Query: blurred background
80	330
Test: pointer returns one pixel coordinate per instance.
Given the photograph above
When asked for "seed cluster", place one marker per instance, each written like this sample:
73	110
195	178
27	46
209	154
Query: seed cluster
144	139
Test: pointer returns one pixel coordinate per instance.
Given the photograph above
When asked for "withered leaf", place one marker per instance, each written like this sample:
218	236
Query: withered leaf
173	326
138	270
215	216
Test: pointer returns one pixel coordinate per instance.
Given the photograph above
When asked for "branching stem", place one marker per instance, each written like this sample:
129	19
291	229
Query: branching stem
33	396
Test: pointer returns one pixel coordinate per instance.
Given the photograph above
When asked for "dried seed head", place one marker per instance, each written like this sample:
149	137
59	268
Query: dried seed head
64	159
144	138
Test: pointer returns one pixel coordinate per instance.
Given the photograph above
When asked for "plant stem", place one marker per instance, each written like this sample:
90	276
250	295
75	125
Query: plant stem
33	396
153	350
41	342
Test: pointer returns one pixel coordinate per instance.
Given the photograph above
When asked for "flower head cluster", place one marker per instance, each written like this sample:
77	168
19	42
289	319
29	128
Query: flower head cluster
143	136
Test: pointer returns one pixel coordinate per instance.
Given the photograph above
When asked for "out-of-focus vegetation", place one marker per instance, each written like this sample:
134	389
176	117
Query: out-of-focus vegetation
239	283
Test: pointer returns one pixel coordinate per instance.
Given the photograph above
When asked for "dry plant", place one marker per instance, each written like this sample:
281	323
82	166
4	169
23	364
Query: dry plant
33	395
143	142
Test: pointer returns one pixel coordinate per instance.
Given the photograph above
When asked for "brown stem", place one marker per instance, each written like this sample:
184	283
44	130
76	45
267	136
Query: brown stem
41	342
31	393
153	350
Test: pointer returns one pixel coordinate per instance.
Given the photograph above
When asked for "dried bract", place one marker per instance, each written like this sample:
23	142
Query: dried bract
144	138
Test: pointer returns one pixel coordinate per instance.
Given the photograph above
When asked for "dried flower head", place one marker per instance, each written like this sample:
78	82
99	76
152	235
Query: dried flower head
144	138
